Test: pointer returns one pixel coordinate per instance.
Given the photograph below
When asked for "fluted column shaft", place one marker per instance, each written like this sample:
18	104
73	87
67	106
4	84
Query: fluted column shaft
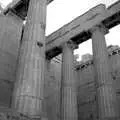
28	92
68	87
106	94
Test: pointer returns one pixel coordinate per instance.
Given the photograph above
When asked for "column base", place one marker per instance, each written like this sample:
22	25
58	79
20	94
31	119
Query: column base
11	114
110	118
39	118
36	118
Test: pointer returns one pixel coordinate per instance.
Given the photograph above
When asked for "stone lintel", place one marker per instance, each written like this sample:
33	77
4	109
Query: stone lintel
20	7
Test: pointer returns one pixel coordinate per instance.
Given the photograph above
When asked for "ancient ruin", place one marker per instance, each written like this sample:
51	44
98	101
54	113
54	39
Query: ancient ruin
39	78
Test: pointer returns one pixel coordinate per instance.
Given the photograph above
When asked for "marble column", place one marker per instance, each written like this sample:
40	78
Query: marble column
68	84
106	94
28	92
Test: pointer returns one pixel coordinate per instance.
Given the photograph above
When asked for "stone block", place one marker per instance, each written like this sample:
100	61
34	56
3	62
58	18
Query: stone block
5	92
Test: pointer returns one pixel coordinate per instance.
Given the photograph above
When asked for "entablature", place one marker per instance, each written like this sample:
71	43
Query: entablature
20	8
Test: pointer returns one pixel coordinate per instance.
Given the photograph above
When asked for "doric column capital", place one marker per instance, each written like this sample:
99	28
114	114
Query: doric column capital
69	44
99	27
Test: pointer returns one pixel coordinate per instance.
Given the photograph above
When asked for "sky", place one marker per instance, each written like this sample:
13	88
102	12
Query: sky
60	12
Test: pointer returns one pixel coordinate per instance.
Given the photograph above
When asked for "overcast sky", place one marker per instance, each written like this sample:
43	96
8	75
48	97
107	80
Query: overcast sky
60	12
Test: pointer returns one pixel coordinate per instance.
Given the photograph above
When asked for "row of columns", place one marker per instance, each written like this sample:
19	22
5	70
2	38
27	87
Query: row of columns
28	93
107	105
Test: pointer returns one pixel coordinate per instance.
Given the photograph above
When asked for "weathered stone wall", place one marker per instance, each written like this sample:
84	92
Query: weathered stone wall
87	106
115	65
10	34
86	92
52	89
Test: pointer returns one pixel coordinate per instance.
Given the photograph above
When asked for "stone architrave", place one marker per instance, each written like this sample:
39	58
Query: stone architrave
68	84
106	94
28	92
